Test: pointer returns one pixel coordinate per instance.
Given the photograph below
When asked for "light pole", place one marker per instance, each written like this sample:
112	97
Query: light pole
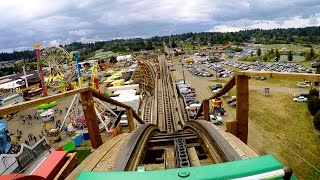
216	71
184	79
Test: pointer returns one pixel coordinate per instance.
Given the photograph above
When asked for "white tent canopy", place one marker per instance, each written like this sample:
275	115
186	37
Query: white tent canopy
124	58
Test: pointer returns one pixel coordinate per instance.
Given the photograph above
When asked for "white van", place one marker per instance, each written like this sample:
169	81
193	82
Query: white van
193	109
47	115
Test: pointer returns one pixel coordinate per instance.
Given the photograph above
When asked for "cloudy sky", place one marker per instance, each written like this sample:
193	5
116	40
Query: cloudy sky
51	22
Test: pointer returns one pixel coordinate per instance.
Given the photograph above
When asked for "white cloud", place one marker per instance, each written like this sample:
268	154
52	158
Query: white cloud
294	22
80	32
157	11
224	28
24	22
55	43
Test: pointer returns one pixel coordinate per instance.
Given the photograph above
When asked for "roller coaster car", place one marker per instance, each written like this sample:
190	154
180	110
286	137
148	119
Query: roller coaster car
54	135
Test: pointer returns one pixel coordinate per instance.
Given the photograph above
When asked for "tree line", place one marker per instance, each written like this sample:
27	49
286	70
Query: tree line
306	36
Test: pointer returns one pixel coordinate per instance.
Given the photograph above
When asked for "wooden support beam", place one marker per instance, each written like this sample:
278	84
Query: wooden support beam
282	75
130	119
194	159
242	108
91	119
136	117
170	159
29	104
206	110
232	127
200	111
226	88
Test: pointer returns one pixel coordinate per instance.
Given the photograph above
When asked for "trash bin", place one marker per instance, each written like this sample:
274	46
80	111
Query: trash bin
86	135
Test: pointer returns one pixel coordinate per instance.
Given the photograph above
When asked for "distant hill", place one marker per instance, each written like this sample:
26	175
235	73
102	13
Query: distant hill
307	36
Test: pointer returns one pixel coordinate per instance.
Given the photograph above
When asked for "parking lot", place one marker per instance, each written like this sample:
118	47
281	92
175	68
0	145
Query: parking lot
275	67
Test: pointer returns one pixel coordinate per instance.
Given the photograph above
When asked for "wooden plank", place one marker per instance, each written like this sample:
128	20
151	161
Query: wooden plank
281	75
130	119
109	160
206	109
91	119
200	111
226	88
193	156
29	104
170	160
232	127
93	159
108	99
242	108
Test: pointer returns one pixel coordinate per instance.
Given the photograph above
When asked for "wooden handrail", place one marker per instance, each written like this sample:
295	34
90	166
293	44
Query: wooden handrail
282	75
117	103
226	88
28	104
108	99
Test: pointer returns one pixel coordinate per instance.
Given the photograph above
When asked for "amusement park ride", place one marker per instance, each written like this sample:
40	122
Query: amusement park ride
64	69
163	142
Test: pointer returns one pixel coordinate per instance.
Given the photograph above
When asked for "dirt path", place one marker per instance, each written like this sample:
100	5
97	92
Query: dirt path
36	125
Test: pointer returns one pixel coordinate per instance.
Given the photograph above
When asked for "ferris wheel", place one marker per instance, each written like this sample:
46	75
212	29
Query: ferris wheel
61	68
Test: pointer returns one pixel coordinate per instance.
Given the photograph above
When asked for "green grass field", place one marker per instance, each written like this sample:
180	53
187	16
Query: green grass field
288	46
287	131
273	82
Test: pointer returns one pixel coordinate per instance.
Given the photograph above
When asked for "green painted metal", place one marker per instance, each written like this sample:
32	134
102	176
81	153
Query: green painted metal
69	146
47	106
229	170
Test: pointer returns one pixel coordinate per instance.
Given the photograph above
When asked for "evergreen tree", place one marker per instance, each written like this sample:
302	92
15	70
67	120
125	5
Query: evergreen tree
259	52
312	54
272	51
277	55
307	56
290	58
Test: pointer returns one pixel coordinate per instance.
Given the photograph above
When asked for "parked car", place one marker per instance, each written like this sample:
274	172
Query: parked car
300	99
216	86
216	90
303	84
261	78
215	119
192	101
233	104
124	120
232	99
189	95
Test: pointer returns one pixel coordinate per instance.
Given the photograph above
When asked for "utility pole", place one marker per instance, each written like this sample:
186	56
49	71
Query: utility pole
184	79
25	75
216	71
